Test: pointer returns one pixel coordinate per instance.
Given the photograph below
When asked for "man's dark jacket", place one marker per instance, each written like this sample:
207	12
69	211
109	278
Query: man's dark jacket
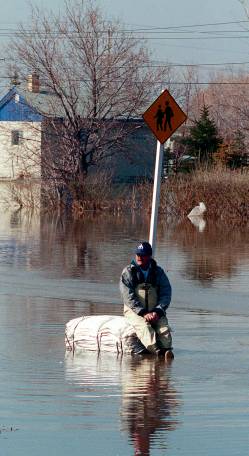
132	276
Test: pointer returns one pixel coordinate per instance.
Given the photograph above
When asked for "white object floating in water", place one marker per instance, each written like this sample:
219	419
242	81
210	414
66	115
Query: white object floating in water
102	333
197	210
198	222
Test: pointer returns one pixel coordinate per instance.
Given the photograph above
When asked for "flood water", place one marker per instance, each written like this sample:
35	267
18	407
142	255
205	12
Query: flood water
54	269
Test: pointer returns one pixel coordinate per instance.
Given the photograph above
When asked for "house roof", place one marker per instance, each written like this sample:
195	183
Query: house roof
31	105
43	103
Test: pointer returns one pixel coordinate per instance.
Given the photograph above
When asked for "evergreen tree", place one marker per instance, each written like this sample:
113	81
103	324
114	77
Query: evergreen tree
203	139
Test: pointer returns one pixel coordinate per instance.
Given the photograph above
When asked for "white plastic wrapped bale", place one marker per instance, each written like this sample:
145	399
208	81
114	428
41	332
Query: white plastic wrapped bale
102	333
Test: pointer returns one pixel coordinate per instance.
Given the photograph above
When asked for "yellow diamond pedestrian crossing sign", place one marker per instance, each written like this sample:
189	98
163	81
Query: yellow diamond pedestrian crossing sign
164	116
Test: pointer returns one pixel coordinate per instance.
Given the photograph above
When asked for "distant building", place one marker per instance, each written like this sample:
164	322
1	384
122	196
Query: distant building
135	160
21	117
25	134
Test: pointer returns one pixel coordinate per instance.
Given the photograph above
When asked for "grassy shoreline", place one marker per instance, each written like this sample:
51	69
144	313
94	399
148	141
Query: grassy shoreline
224	192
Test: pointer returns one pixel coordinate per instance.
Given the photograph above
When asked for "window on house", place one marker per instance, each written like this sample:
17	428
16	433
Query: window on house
16	137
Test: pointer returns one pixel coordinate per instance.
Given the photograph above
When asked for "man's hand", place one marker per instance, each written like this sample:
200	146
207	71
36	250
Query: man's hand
151	316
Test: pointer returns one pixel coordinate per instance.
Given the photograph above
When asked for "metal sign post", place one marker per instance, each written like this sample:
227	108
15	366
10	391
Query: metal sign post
156	196
163	117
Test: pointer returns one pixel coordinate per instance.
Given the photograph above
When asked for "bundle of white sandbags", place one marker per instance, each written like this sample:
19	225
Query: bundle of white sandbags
102	333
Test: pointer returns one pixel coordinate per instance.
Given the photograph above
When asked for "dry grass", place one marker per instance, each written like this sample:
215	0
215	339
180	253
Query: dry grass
224	192
98	194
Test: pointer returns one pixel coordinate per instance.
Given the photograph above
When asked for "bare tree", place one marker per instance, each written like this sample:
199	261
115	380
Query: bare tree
100	77
227	97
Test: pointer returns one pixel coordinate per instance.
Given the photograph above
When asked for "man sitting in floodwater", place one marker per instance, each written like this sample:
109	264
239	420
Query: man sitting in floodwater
146	293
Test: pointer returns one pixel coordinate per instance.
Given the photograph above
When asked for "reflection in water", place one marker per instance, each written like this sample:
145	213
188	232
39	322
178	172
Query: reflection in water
16	218
97	247
19	230
83	248
86	248
149	403
213	254
198	222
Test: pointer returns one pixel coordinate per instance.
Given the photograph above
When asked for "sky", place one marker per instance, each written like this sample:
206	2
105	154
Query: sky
176	30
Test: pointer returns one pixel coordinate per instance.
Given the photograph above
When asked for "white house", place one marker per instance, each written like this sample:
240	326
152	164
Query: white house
21	118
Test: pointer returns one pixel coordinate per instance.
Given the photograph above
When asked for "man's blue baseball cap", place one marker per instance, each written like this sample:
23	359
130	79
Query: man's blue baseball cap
144	248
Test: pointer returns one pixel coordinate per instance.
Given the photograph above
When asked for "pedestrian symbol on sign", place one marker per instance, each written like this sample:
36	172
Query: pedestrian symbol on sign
168	114
159	118
164	116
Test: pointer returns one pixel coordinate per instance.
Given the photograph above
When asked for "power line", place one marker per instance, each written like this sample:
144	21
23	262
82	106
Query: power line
194	25
196	38
153	27
191	28
161	82
197	64
59	35
181	65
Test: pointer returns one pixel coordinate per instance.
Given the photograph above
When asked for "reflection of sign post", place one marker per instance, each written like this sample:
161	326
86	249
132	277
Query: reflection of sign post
163	117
